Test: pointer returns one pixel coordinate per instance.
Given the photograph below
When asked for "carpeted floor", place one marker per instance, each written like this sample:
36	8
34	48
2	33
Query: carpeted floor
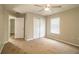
38	46
9	48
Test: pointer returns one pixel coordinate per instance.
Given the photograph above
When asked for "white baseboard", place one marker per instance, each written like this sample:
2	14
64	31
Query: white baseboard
65	42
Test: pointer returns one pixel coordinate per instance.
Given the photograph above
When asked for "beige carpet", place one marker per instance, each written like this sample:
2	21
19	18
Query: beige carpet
9	48
39	46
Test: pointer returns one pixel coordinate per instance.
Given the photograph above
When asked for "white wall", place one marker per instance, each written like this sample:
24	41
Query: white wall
29	25
69	26
3	25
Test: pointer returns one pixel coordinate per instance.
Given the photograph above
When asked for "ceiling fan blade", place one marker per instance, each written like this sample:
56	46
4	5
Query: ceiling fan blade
37	5
40	10
56	6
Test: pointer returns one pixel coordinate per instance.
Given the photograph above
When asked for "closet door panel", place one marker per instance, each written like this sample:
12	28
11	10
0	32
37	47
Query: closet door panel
42	27
39	27
36	28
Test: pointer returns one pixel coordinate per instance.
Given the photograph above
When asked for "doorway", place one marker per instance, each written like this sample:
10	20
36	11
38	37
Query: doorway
11	26
16	27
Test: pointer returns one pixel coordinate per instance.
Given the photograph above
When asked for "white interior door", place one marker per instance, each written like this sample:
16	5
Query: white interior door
19	28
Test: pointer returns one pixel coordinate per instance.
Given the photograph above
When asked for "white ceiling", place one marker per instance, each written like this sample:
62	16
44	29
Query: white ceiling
24	8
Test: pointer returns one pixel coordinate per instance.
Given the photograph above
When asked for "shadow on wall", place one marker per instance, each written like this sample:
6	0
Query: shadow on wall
9	48
1	45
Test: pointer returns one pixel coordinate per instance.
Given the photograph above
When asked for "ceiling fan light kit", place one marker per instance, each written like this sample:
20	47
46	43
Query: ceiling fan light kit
47	9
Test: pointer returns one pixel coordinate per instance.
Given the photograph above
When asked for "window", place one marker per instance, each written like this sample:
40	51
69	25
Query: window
55	25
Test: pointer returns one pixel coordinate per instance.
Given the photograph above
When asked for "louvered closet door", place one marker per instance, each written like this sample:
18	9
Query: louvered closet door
42	27
38	27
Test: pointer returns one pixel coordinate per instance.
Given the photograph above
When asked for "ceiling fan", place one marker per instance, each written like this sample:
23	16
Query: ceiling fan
47	7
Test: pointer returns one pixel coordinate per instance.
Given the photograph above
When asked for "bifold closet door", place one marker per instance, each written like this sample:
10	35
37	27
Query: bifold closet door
42	27
36	30
38	27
